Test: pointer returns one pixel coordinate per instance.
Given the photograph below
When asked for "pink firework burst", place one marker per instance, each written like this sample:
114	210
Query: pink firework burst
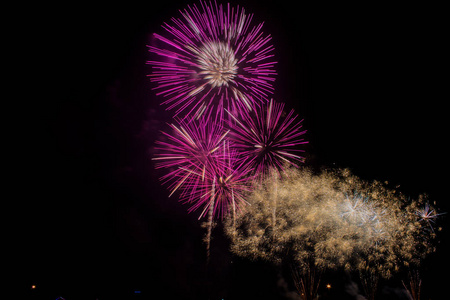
225	188
192	151
201	166
212	58
266	138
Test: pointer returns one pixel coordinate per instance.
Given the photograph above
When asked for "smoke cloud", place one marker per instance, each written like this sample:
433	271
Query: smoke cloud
283	287
352	289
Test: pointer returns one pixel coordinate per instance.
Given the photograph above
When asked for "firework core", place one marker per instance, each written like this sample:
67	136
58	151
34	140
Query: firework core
218	63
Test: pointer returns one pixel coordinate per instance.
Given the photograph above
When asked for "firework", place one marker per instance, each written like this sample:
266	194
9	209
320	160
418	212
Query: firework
266	138
358	209
427	215
211	58
331	220
414	284
202	167
288	212
225	189
190	154
367	214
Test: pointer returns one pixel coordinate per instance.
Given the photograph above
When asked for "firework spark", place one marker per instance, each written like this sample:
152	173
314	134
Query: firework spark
265	138
212	58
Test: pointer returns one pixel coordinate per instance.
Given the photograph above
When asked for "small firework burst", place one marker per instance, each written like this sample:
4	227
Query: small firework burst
427	215
357	209
212	58
266	138
190	153
225	189
201	166
361	210
368	215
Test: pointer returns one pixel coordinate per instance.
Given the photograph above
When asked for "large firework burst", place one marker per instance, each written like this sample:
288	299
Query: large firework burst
267	138
212	58
330	220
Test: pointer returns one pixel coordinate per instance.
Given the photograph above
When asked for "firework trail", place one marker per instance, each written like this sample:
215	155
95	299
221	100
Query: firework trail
211	58
414	285
266	138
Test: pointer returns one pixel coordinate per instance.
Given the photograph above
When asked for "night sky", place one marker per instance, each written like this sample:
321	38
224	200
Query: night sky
93	220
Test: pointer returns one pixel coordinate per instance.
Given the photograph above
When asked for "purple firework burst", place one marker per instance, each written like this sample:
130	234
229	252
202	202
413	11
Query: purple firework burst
212	58
266	138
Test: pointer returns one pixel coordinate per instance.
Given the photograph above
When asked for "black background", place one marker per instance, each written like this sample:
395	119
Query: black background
91	218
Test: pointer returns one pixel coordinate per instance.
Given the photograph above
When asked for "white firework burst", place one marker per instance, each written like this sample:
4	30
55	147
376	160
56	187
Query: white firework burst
359	210
218	64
